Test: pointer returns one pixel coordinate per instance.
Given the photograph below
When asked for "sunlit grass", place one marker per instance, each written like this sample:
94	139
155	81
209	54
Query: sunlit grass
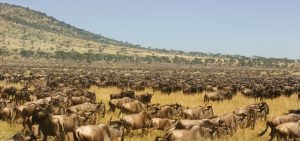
277	107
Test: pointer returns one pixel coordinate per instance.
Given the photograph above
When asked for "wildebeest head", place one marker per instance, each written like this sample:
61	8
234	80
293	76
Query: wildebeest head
22	137
116	129
39	114
247	119
264	107
208	112
101	108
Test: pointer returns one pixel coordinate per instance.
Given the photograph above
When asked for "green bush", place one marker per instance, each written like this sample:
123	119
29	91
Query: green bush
26	53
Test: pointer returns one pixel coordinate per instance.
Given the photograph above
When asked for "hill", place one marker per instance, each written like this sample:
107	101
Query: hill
28	33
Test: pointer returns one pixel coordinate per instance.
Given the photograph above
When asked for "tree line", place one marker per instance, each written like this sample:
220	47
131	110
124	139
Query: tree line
213	60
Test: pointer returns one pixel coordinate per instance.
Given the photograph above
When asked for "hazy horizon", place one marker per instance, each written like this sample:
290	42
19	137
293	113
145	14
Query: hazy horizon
267	28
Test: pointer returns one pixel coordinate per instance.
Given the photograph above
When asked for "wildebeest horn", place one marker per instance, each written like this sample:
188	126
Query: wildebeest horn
110	119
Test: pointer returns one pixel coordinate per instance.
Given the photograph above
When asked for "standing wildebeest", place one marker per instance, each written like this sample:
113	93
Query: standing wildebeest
117	103
279	120
229	120
261	109
48	124
144	98
77	100
102	132
161	124
136	121
191	134
89	111
8	92
129	94
217	96
170	111
198	113
246	117
288	130
132	107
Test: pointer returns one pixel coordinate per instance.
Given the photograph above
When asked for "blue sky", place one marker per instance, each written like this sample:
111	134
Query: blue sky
269	28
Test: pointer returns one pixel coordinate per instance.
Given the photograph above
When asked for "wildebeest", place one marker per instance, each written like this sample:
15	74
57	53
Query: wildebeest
144	98
48	124
279	120
229	120
161	124
190	134
77	100
217	96
171	111
6	114
261	109
102	132
88	110
123	94
186	124
198	113
246	117
136	121
8	92
132	107
288	130
22	137
117	103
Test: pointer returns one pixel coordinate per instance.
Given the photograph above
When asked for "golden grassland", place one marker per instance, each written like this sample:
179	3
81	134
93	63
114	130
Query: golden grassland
277	107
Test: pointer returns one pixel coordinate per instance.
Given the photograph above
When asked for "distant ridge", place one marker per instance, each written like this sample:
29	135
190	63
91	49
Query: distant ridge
29	33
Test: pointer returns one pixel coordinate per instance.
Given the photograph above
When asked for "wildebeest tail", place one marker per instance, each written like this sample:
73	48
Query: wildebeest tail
266	129
75	135
205	98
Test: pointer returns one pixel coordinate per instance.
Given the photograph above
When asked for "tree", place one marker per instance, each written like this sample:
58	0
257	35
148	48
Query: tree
26	53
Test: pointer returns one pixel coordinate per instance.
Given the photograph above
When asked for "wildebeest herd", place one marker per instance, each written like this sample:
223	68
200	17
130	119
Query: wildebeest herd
58	102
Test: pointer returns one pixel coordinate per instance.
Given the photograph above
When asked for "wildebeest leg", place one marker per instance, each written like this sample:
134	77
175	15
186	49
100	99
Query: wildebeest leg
45	137
69	137
272	134
128	129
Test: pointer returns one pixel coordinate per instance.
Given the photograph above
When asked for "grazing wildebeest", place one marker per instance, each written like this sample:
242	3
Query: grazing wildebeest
279	120
136	121
22	137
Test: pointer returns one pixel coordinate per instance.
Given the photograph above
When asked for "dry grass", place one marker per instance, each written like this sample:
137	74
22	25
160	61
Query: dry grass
277	107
